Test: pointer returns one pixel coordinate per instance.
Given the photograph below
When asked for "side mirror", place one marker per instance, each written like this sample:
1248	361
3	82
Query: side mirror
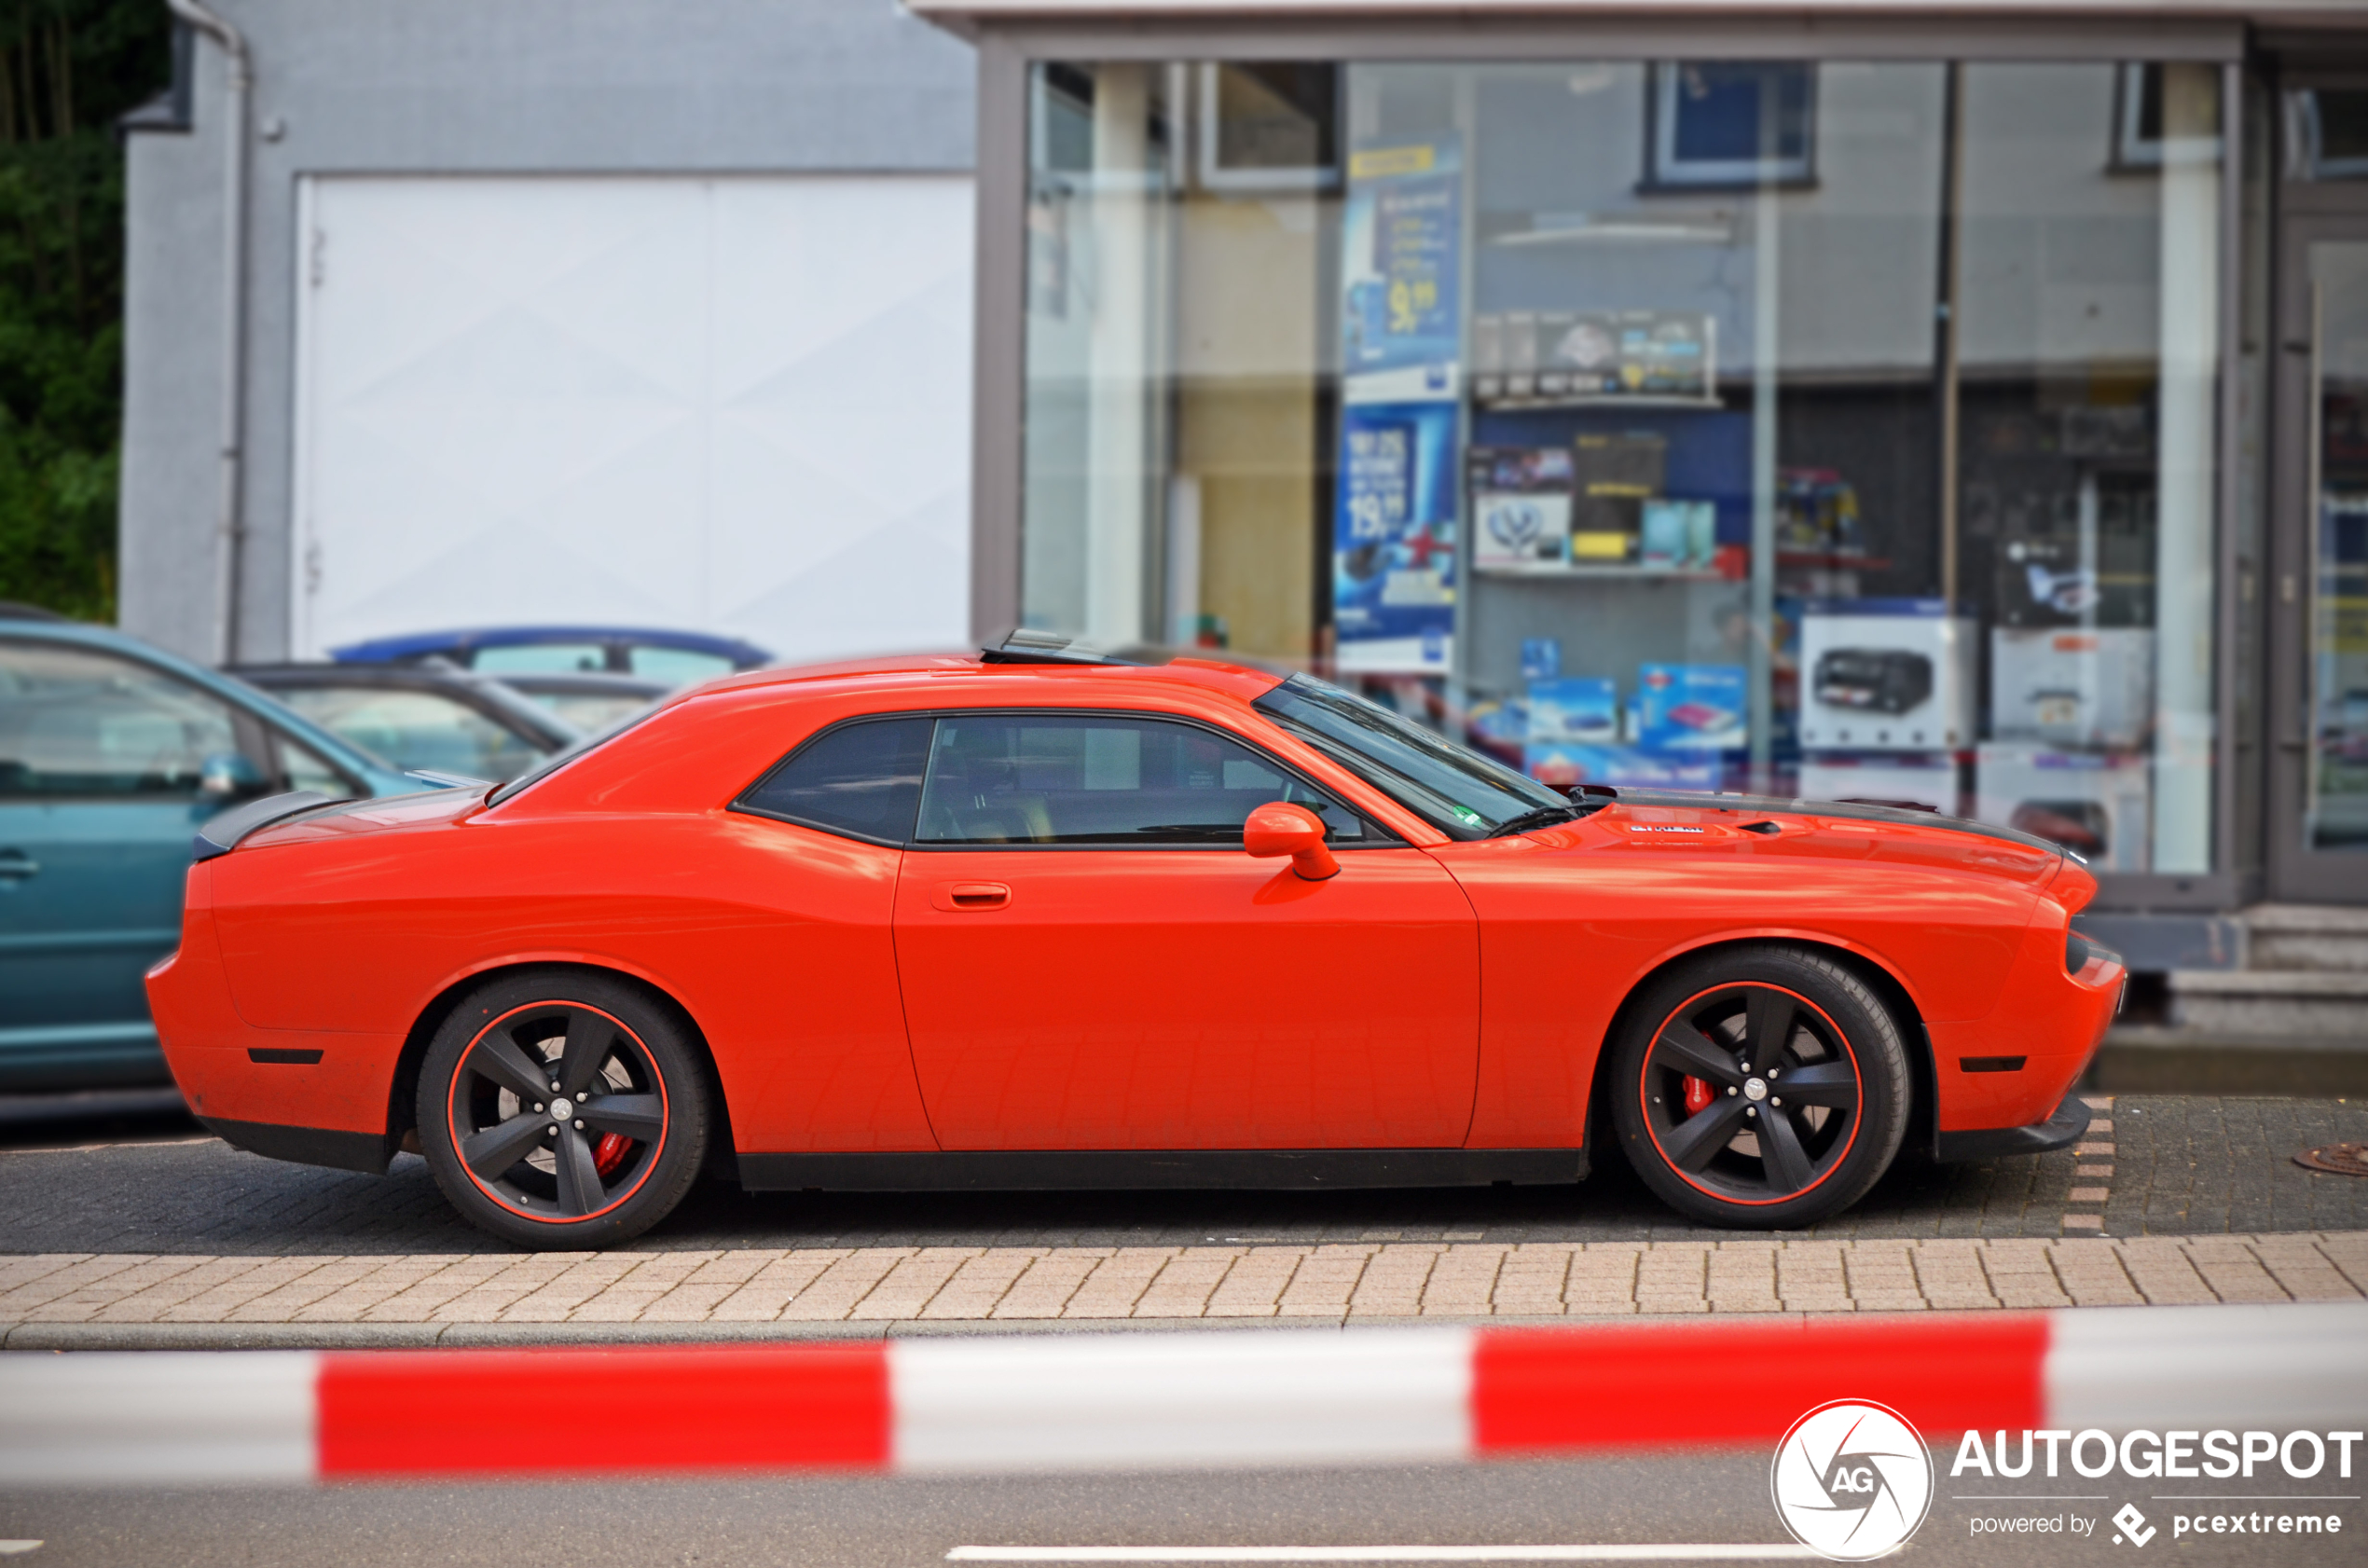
1280	827
227	776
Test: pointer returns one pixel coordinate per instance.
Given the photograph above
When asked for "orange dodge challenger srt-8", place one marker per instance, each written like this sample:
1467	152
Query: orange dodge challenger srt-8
1039	920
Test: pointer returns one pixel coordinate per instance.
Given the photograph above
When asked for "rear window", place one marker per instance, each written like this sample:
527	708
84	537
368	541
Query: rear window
541	658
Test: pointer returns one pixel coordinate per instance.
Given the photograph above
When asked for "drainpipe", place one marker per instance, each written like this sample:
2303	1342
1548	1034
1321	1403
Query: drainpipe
230	545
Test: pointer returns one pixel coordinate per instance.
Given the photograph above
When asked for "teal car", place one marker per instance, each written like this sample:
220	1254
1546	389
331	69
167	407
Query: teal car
112	755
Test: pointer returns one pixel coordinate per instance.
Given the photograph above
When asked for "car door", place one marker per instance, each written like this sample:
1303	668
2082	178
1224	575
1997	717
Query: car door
1090	959
107	766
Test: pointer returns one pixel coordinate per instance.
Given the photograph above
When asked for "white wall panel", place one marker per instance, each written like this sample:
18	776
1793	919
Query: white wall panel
737	404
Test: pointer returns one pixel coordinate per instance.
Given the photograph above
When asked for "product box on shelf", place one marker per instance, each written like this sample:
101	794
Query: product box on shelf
1567	767
1612	478
2056	580
1691	708
1574	709
1521	505
2095	804
1679	535
1926	779
2071	686
1885	675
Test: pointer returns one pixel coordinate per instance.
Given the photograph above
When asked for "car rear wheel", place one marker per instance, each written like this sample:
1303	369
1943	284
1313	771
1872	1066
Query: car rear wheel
1759	1088
562	1109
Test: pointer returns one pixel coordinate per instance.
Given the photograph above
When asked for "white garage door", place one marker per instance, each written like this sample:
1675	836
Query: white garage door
733	404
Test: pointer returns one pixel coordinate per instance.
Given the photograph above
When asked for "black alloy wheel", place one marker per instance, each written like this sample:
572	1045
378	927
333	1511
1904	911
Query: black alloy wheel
562	1110
1761	1088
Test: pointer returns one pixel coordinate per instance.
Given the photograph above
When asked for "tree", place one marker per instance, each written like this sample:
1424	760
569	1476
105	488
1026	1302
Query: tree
67	69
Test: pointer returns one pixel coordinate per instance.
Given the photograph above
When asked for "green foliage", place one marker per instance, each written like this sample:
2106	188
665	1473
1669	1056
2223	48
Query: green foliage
67	69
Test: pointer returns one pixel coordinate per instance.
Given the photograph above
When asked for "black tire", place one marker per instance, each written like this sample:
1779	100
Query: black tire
1755	1148
574	1180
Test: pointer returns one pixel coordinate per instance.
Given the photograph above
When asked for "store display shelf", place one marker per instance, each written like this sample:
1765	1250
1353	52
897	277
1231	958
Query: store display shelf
1551	572
1526	404
1833	560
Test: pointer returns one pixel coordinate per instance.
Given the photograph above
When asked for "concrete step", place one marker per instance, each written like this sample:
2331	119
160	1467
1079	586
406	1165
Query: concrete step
2306	937
2153	1059
2270	1004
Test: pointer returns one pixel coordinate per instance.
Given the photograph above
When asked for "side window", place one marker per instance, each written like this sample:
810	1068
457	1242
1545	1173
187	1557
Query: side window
78	723
1100	779
862	779
303	768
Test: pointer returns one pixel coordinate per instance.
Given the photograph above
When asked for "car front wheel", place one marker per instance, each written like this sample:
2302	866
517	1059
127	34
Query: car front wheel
562	1110
1759	1088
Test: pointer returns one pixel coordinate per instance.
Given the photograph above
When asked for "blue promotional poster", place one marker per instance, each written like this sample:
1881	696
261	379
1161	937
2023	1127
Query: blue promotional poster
1394	554
1394	539
1401	247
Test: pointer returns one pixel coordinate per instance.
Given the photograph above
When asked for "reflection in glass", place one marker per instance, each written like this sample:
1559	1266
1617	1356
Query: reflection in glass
2335	811
1840	427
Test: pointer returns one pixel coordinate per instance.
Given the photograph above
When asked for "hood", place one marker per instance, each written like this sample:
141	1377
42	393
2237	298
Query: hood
1828	830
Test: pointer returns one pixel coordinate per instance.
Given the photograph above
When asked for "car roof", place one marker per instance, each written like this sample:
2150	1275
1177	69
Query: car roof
373	770
1061	682
487	693
414	644
591	682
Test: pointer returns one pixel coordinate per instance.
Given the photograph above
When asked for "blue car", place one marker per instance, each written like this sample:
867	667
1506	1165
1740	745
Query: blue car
680	658
112	755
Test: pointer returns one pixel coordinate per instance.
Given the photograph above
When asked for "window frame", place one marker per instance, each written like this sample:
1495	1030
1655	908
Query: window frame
1666	173
1378	834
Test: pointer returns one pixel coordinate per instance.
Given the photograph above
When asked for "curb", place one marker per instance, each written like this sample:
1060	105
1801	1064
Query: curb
1098	1402
25	1338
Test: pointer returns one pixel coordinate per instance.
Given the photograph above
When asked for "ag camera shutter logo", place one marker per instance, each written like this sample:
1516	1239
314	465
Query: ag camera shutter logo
1851	1481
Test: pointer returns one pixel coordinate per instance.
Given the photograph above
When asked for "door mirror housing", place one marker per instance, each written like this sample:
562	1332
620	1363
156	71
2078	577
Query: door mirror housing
1280	828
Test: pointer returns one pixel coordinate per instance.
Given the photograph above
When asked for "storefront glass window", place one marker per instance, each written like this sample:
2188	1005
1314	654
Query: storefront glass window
1838	428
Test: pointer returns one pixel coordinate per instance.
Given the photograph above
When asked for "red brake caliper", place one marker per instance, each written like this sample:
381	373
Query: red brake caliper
1696	1097
609	1153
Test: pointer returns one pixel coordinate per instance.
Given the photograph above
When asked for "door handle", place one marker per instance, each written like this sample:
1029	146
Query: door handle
16	863
967	898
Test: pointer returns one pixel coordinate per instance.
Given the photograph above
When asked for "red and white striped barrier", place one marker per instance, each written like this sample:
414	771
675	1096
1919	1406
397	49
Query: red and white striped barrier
1142	1401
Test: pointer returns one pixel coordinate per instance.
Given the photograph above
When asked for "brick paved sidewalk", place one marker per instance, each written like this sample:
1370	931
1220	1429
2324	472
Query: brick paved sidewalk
1334	1284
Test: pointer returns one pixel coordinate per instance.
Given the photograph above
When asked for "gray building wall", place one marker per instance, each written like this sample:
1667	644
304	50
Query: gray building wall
451	87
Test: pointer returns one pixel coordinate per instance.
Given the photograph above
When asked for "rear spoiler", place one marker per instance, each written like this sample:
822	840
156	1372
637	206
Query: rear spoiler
221	834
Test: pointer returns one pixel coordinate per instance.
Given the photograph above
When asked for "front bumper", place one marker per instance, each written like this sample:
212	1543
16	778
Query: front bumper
2064	1127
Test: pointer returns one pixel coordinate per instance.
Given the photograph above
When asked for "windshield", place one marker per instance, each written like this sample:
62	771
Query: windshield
1458	791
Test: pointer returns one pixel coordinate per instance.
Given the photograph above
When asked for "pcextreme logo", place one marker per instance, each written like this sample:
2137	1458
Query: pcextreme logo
1851	1479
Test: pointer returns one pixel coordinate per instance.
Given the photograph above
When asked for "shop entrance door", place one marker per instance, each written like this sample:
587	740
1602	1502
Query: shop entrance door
2319	578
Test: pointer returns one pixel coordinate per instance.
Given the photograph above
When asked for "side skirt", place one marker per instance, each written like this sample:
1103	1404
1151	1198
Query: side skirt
367	1152
1086	1170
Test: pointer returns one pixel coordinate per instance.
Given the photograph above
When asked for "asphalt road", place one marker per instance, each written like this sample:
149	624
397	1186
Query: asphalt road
903	1524
2185	1166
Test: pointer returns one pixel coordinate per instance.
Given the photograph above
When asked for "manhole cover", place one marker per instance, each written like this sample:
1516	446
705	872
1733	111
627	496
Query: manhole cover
2342	1159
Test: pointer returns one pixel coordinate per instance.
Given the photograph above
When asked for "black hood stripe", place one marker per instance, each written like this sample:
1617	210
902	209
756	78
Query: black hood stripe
1772	805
